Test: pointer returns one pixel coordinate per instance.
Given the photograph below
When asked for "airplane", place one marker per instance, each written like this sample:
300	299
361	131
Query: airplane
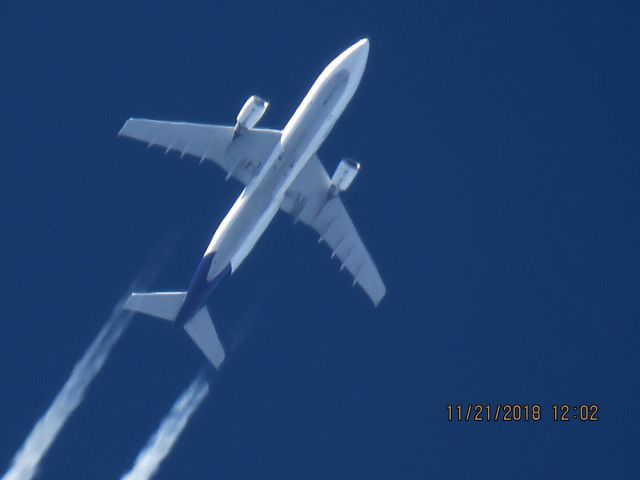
280	170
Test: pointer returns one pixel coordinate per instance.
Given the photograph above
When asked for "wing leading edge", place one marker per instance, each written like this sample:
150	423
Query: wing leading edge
308	200
241	157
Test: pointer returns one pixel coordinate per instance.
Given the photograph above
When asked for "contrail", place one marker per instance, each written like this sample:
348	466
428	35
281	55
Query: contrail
161	442
27	460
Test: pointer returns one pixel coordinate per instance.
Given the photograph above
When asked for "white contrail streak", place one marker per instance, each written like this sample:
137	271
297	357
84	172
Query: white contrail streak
27	460
161	442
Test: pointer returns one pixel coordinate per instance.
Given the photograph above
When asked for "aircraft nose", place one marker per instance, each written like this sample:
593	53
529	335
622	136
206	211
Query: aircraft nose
356	56
361	51
363	46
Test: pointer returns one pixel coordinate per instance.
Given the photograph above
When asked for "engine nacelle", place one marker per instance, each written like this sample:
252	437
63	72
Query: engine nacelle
344	175
251	112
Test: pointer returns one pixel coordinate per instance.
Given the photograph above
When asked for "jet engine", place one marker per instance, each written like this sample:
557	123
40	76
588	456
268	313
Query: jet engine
251	112
344	175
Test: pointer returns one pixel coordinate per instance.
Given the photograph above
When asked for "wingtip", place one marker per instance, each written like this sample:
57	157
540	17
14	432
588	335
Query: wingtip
121	131
378	300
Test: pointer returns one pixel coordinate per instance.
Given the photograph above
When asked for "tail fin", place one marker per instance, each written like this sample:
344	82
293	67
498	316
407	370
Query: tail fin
166	305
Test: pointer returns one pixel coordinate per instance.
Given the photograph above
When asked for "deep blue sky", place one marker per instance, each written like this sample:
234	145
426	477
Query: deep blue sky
499	196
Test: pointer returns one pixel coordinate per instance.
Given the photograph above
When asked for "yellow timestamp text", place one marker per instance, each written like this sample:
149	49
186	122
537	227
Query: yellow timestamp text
516	412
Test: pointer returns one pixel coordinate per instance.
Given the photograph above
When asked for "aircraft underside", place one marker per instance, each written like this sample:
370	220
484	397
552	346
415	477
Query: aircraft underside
281	171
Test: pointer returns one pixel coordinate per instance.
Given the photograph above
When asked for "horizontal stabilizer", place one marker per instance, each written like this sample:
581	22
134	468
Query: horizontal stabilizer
201	330
165	305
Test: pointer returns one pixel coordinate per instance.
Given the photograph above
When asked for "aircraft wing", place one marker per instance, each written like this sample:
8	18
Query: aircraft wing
308	200
241	158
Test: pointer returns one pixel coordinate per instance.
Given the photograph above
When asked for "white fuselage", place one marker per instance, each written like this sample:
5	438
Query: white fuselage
312	121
